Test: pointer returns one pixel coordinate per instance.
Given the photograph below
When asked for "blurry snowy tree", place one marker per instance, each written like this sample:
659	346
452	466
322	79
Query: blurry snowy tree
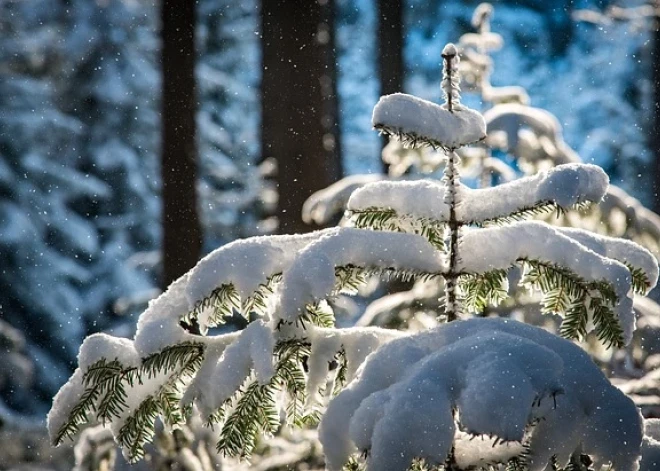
641	18
530	398
78	127
300	127
234	195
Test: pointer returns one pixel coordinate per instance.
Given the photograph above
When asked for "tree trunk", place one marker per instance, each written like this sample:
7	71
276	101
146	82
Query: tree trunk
299	102
182	234
654	129
390	49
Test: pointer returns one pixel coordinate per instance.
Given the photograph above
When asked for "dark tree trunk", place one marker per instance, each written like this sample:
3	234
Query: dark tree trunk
299	102
182	234
654	128
390	48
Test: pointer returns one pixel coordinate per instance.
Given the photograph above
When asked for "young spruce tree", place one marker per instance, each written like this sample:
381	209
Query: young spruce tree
482	393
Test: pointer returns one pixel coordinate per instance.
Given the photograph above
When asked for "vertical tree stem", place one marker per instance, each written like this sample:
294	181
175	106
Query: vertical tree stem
450	179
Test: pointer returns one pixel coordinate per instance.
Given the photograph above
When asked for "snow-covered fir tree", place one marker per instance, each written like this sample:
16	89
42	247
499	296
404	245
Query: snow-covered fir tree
485	393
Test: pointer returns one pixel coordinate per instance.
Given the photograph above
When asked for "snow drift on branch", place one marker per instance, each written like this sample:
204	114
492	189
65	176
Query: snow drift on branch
540	388
565	186
423	121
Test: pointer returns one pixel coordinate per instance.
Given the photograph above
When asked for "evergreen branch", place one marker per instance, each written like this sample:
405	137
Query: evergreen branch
139	427
102	371
114	400
169	407
315	314
574	325
387	219
557	300
375	218
640	282
219	416
409	139
102	377
222	300
482	290
78	415
607	325
293	355
516	464
225	299
256	410
257	302
582	206
349	278
557	281
340	376
541	208
567	294
187	354
413	140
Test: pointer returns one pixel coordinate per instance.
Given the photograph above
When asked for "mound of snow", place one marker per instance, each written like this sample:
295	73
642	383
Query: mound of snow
418	396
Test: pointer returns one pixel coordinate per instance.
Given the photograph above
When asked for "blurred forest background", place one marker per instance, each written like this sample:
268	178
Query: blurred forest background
137	136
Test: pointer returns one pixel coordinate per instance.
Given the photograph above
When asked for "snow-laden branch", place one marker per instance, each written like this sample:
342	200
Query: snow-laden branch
621	250
127	384
312	276
94	348
245	264
417	121
421	199
499	248
545	140
563	186
640	223
540	388
322	205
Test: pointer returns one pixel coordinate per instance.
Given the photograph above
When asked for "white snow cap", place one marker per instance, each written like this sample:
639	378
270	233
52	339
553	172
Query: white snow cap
312	276
322	205
406	114
449	50
500	376
418	198
621	250
564	185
